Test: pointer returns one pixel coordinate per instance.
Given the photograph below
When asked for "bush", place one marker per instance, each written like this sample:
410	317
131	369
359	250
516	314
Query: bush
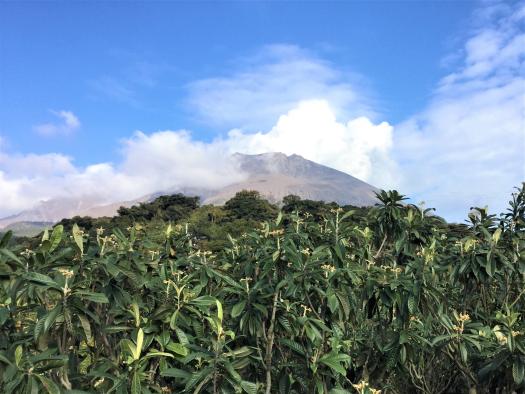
396	301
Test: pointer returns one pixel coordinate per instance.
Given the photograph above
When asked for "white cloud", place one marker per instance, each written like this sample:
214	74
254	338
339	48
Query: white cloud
168	159
358	146
468	147
126	85
150	163
66	124
272	82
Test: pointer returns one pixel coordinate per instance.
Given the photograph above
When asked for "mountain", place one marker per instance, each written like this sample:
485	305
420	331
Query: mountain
274	175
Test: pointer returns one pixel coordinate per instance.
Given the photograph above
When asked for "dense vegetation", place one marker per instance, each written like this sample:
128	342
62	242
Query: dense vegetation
316	298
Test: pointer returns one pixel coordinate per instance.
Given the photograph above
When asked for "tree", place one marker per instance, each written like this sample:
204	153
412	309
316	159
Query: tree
248	204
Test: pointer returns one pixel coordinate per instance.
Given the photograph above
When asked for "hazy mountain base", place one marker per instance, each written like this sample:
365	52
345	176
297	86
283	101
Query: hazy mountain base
27	229
319	299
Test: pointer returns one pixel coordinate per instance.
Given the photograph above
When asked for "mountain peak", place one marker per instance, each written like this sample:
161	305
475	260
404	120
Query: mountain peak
276	175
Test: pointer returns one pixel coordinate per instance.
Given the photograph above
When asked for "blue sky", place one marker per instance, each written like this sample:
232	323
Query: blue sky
125	66
78	79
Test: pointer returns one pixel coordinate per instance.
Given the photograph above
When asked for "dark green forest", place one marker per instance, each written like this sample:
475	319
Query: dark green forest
307	297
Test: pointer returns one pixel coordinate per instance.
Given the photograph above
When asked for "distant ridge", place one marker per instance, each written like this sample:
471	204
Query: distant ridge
27	229
56	209
274	175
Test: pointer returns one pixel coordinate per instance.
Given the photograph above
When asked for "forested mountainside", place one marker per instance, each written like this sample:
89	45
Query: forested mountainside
171	296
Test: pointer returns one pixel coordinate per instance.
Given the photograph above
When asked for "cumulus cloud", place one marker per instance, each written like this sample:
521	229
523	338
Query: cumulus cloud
161	161
358	146
467	147
274	80
168	159
66	124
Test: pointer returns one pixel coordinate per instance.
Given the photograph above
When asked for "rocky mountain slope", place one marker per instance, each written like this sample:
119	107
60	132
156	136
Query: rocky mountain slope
276	175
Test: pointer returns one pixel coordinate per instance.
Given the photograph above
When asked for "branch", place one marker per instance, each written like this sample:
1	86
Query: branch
269	346
378	253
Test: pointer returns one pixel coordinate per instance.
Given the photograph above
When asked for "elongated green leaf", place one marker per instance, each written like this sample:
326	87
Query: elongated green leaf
339	391
11	256
182	336
518	371
50	386
204	301
333	303
464	352
334	362
136	386
56	237
99	298
140	342
176	373
42	279
5	239
77	236
402	354
249	387
18	355
136	313
86	327
128	346
4	359
293	346
219	311
238	308
177	348
239	352
51	316
158	354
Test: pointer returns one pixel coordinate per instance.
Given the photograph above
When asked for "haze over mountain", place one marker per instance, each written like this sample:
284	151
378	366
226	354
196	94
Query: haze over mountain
274	175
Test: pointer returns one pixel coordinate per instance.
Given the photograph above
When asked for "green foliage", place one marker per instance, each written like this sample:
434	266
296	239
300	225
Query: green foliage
169	208
248	204
325	300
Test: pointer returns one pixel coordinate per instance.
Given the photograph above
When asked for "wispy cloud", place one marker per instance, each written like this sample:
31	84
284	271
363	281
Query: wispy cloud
468	146
127	86
270	83
66	124
115	89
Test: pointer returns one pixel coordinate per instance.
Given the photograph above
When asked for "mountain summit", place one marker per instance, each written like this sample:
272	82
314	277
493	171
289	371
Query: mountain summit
273	175
276	175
